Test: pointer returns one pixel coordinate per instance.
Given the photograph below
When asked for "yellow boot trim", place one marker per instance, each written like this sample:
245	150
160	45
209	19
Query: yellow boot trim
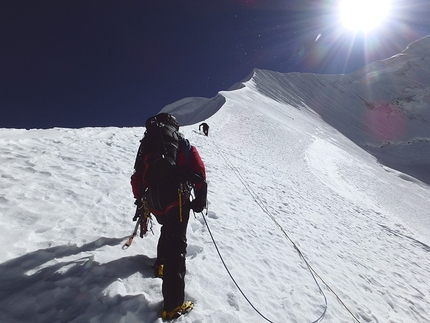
178	311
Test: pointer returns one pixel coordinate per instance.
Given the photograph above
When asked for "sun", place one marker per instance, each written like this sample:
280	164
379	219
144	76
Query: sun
363	15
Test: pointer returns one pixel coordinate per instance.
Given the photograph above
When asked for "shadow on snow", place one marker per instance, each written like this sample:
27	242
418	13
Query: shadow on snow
67	291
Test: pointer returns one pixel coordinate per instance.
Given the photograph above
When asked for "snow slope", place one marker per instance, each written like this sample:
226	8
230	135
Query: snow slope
384	107
281	179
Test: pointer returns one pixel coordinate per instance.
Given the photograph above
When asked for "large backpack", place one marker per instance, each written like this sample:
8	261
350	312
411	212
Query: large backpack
156	161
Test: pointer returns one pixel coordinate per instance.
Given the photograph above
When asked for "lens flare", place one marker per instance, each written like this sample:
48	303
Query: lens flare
384	121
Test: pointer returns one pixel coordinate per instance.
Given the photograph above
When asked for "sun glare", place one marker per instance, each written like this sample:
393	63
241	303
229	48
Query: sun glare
363	15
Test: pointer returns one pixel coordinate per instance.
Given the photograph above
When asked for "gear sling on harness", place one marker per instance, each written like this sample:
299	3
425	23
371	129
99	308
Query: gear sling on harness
180	201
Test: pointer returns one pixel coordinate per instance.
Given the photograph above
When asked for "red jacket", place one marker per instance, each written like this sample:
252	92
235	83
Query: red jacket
195	163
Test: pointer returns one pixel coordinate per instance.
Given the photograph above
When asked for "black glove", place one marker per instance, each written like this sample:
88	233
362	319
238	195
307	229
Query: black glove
139	208
199	202
196	206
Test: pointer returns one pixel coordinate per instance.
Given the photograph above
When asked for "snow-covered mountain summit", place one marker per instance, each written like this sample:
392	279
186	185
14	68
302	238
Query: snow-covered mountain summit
383	107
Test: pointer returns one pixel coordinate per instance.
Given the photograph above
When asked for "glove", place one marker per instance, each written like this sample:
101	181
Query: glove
196	206
139	208
199	203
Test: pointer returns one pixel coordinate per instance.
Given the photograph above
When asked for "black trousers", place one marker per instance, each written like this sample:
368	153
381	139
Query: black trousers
171	251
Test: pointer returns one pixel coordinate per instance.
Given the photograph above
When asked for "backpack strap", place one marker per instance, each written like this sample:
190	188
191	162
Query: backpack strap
185	147
188	174
138	157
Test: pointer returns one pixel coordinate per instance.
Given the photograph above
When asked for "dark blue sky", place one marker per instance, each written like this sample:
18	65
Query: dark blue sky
80	63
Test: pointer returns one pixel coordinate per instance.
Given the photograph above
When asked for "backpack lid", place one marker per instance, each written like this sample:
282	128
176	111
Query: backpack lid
165	118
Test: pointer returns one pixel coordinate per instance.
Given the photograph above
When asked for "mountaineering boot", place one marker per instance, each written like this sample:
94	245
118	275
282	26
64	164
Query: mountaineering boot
177	312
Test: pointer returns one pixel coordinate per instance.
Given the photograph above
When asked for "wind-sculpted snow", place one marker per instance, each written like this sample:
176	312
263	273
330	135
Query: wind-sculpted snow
193	110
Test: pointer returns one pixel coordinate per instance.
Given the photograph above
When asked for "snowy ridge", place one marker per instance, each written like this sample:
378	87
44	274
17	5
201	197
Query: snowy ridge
66	208
391	110
377	106
386	105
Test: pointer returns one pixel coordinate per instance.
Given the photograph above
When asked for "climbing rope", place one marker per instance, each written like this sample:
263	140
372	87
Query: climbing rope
267	211
229	273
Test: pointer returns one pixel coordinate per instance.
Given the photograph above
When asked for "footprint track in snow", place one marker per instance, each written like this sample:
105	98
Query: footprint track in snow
193	251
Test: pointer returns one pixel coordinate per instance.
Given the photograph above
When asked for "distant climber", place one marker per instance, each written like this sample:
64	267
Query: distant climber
205	128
